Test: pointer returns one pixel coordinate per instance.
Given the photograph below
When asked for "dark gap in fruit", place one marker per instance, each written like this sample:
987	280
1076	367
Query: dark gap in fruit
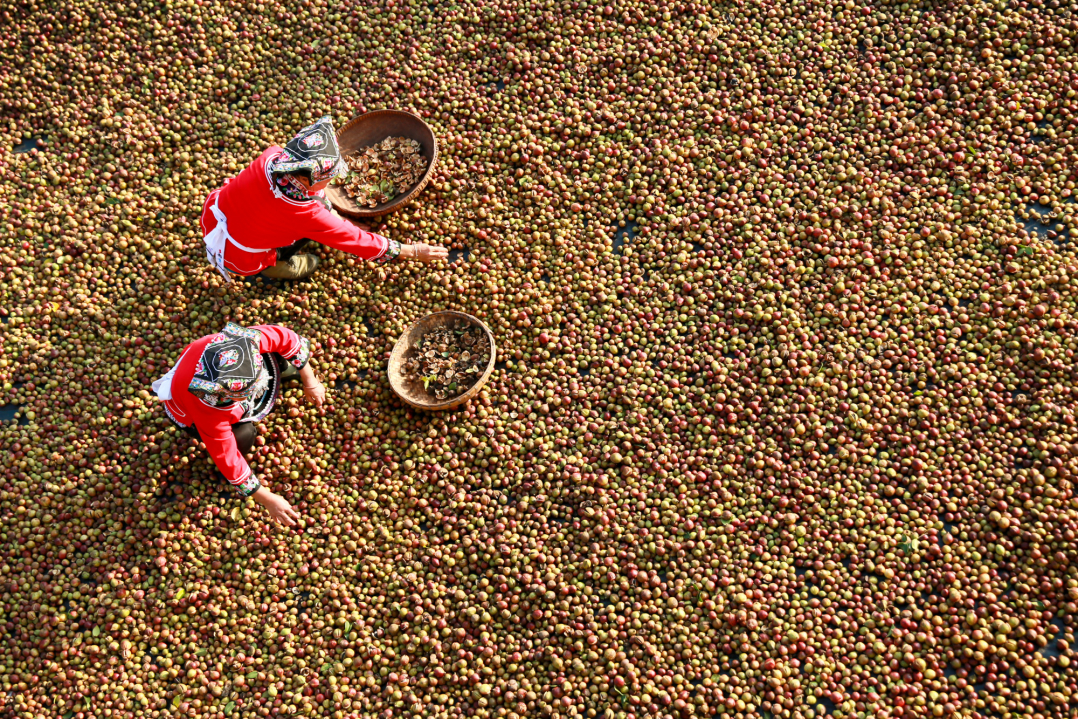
8	412
924	597
949	671
847	561
622	234
545	277
253	279
584	371
1052	648
371	329
341	383
827	707
27	145
964	302
455	254
1042	225
697	246
4	319
499	364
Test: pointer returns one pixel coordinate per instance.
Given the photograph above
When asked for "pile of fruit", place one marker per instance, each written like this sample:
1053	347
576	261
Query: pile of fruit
786	426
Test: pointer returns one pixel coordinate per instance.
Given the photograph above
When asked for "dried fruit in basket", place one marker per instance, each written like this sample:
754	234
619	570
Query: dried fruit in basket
382	171
448	360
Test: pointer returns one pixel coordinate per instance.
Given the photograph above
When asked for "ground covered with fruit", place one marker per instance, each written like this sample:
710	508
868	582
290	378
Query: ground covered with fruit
782	423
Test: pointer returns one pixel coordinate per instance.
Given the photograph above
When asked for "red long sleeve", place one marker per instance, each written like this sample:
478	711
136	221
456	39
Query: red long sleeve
326	228
285	342
221	444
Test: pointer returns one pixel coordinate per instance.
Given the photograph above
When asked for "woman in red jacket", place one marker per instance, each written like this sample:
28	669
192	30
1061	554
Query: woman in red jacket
262	218
224	384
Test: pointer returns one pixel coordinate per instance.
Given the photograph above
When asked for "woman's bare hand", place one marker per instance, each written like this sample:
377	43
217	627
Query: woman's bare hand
312	386
277	506
315	393
425	253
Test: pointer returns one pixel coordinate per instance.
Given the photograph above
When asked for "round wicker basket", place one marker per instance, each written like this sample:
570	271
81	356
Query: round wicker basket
375	126
412	391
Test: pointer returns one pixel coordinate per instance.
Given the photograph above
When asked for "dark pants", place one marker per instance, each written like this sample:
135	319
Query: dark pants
245	433
285	253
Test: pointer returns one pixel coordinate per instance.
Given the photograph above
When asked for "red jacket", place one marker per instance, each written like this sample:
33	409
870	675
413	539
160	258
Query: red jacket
214	424
262	221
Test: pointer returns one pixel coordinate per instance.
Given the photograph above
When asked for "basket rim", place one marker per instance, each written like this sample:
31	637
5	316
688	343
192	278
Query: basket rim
467	394
396	202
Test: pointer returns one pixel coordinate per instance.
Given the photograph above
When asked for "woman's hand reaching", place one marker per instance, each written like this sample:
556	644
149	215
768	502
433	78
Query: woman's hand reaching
312	387
417	251
277	506
315	393
424	253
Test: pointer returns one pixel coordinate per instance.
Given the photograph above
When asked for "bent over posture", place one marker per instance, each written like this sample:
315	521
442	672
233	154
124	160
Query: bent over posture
224	384
261	219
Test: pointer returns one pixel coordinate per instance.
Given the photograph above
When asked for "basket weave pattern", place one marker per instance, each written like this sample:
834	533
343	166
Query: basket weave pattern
371	127
412	391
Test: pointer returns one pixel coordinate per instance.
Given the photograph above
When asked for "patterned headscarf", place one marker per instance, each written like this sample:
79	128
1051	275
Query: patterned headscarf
314	149
231	367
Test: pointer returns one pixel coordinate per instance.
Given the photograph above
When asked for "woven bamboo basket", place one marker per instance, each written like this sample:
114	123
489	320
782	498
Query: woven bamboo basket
375	126
412	391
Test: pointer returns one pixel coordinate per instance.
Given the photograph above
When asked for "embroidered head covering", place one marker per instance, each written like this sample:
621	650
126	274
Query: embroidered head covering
315	150
231	367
